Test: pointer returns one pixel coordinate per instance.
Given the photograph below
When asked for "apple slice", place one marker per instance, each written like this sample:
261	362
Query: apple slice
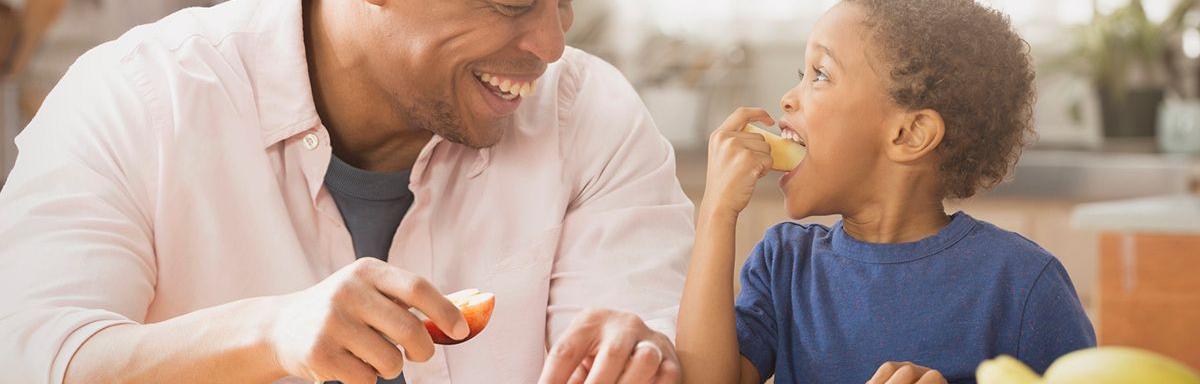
475	306
785	154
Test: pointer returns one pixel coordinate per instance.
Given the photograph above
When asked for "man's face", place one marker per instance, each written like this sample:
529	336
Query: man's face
431	57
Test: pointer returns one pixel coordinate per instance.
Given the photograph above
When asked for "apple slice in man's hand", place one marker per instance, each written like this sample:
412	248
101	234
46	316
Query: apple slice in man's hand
476	307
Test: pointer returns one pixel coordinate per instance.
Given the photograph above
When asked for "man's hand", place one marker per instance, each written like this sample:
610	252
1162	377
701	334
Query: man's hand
351	326
608	347
906	373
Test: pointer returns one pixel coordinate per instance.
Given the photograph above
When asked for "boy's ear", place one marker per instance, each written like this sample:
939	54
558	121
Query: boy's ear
917	136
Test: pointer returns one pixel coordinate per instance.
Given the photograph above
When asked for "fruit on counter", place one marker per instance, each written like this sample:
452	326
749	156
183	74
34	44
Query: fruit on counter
785	154
475	306
1118	365
1103	365
1005	370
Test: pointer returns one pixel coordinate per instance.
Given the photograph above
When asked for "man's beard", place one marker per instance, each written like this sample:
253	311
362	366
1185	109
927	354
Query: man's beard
441	118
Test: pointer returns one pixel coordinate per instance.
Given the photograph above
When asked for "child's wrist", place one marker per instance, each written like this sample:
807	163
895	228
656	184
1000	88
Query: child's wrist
714	212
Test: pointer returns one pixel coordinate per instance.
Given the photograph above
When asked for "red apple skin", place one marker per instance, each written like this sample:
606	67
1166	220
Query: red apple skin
477	318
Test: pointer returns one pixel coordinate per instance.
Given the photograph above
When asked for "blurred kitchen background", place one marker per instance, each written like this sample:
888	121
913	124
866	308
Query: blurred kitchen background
1112	185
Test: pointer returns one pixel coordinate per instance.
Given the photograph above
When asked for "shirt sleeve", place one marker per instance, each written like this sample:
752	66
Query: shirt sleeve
755	313
1053	321
628	230
76	254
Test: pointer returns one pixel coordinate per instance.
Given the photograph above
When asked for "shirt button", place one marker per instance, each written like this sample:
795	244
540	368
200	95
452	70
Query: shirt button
311	141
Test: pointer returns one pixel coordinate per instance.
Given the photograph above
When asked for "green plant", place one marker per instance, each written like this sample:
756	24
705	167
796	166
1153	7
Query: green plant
1118	47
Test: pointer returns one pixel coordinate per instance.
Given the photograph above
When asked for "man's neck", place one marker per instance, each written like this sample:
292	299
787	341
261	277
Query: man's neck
366	130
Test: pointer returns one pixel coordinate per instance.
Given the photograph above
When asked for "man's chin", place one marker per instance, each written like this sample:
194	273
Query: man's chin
481	136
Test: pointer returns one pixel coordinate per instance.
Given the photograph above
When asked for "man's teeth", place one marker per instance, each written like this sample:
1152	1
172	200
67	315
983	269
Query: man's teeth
509	88
792	135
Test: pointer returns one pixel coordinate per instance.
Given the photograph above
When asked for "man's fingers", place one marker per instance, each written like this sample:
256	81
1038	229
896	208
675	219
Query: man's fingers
399	325
348	369
745	115
643	365
568	353
422	295
581	371
932	377
370	347
668	373
906	374
612	358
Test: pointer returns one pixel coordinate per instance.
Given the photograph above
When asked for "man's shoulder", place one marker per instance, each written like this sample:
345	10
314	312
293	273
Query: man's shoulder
587	107
185	31
584	82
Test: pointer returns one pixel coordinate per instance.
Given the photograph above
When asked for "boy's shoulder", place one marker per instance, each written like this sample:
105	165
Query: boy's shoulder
1006	246
788	240
790	231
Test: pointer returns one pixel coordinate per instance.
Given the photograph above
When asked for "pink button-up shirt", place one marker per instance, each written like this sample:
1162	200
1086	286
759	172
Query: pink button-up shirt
182	165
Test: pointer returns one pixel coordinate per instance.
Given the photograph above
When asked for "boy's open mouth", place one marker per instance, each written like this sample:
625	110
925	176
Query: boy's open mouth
791	134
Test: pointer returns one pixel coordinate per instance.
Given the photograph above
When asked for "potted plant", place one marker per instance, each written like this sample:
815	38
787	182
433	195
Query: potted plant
1123	53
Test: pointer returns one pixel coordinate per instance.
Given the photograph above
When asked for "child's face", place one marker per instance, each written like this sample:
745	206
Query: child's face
840	109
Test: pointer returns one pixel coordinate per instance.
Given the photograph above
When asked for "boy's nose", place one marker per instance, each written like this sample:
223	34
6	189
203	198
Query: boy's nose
789	104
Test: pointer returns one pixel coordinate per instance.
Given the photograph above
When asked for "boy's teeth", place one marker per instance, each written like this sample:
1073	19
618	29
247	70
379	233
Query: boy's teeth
485	77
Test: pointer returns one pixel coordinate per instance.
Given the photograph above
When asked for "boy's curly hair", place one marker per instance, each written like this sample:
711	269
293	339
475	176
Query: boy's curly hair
966	62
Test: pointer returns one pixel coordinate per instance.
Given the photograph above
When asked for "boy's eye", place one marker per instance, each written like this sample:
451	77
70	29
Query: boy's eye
821	75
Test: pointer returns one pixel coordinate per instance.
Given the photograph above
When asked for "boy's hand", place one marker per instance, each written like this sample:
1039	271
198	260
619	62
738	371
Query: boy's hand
906	373
736	160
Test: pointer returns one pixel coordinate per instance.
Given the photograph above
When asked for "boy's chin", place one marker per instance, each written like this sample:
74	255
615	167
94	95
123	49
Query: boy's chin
797	210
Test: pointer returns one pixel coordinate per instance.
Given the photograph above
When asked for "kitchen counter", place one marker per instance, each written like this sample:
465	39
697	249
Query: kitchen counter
1112	173
1177	214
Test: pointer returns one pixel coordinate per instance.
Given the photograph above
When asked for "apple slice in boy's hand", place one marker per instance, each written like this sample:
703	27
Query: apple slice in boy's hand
785	154
475	306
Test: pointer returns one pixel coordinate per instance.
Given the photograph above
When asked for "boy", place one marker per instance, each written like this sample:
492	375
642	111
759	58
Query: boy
901	105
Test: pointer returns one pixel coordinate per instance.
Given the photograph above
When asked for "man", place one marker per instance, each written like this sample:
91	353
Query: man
189	204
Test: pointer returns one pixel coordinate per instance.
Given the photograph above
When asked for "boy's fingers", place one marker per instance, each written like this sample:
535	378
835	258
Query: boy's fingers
932	377
884	372
745	115
907	374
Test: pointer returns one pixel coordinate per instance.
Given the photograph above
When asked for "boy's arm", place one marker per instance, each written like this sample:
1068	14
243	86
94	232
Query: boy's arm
706	340
707	337
1053	322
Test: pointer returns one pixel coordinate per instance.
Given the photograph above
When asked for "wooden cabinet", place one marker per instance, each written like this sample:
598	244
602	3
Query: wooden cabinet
1150	293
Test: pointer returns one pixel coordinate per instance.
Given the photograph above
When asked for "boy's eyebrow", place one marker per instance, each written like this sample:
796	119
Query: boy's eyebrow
829	52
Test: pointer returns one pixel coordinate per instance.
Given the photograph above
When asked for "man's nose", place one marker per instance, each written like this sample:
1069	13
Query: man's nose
544	36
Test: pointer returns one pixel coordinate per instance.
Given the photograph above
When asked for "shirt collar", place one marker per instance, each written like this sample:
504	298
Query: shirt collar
279	71
280	80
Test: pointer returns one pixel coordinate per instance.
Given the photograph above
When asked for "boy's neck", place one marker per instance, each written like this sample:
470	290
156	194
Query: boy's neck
909	211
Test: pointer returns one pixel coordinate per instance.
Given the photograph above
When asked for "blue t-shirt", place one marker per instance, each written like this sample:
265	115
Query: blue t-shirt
818	306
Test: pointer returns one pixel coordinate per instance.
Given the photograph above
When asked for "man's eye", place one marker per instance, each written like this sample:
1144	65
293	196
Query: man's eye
800	74
513	10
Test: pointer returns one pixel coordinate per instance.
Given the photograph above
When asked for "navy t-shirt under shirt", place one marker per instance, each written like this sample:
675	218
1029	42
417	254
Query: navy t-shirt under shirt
372	205
818	306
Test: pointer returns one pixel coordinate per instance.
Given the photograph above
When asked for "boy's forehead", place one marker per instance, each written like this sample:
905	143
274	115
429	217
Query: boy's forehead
840	31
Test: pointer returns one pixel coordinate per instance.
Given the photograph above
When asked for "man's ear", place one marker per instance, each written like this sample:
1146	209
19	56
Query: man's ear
919	133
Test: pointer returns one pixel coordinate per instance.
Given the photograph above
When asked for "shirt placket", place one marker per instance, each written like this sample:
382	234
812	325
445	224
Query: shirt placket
412	246
316	155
